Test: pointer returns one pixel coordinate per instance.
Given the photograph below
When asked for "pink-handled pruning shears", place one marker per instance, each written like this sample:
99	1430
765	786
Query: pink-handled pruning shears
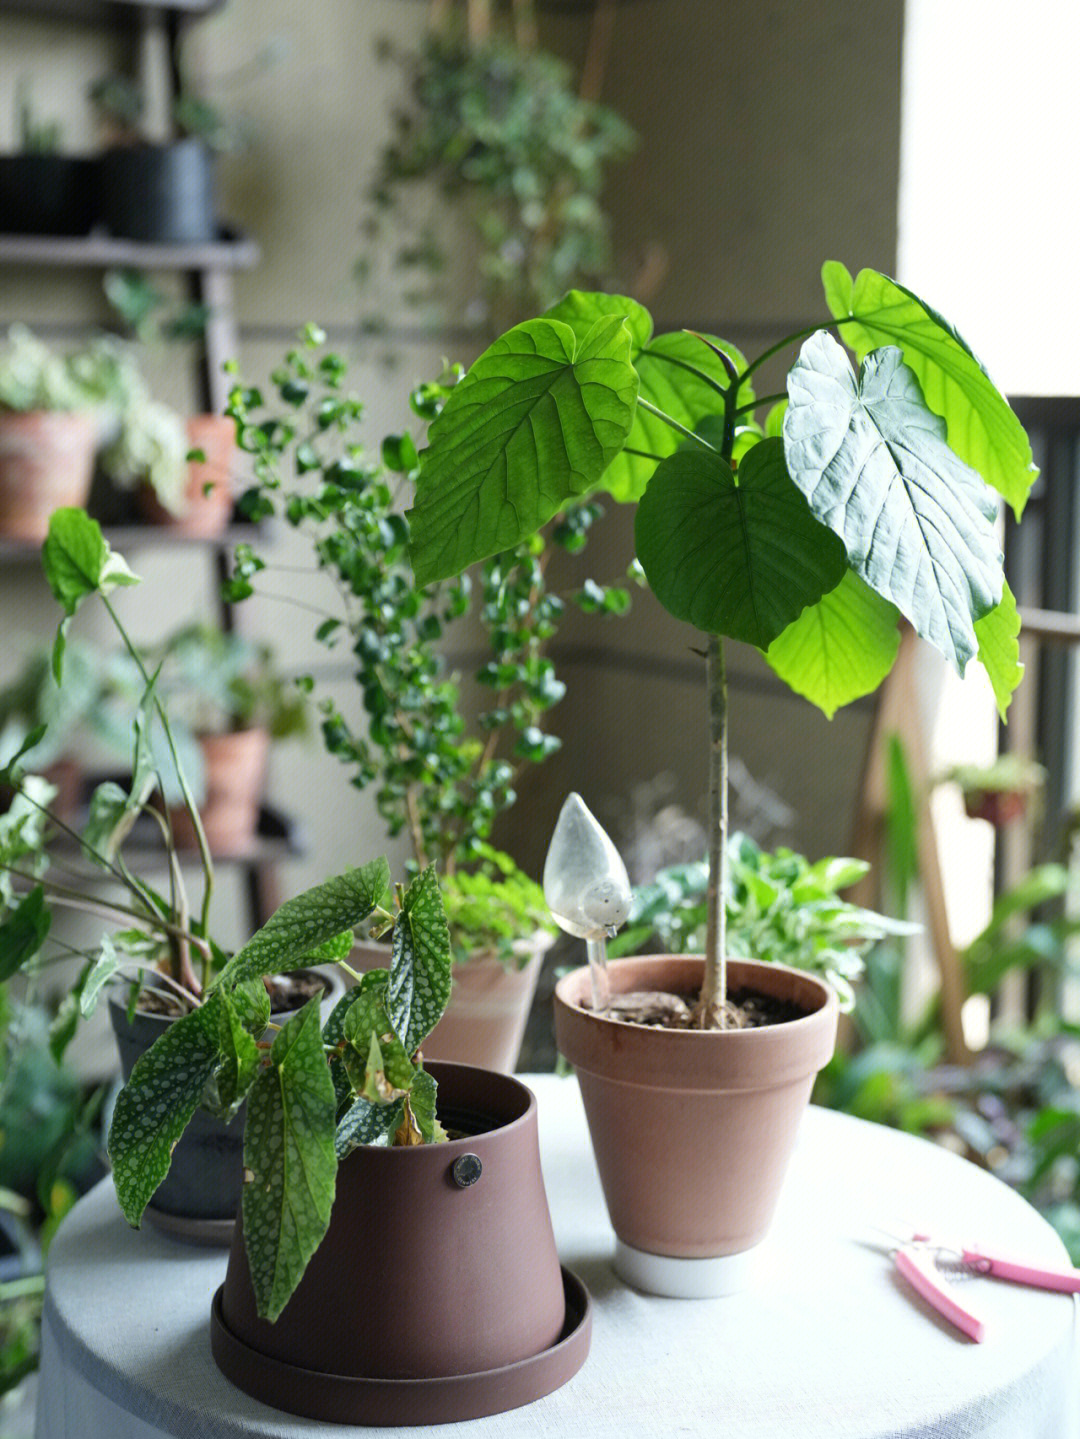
924	1264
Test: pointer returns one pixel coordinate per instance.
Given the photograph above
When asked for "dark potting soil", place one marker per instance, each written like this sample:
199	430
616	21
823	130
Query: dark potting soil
746	1009
287	992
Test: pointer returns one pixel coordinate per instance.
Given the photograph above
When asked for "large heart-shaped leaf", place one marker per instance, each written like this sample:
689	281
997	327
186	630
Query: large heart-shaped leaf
679	373
742	560
290	1161
320	914
839	649
982	428
916	521
536	422
999	651
154	1107
420	967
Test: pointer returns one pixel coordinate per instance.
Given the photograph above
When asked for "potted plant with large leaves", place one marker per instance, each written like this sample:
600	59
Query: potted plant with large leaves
158	940
441	774
857	499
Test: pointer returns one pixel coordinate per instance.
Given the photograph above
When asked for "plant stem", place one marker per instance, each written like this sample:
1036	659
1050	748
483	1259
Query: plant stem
666	359
674	424
828	324
714	988
757	404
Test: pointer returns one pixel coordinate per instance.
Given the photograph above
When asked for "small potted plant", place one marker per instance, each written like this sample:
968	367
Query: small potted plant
161	937
855	499
202	505
998	792
440	776
44	192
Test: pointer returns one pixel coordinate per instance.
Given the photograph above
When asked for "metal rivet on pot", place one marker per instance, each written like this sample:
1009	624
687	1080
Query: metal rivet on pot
466	1170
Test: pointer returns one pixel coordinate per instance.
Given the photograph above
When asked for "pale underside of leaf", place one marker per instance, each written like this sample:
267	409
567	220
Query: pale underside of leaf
917	523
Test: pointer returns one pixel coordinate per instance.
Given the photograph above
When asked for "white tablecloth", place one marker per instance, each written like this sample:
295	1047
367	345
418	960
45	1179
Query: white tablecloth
830	1343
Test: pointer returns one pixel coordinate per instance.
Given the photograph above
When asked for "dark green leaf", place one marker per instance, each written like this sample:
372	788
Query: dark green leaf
367	1123
239	1059
536	422
739	559
154	1107
23	932
420	977
375	1058
917	523
320	914
839	649
290	1161
982	428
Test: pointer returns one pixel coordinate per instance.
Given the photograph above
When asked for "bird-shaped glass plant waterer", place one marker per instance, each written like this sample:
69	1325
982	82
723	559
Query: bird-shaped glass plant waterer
587	888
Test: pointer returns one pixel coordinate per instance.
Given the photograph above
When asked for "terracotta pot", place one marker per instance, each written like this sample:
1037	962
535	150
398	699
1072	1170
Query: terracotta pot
234	766
428	1300
46	462
998	807
693	1130
199	1197
485	1019
204	514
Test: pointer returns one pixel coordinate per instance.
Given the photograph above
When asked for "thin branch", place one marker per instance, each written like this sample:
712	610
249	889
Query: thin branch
710	380
674	424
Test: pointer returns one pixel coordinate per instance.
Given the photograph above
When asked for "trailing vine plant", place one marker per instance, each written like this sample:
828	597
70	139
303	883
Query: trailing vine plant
504	134
859	498
439	777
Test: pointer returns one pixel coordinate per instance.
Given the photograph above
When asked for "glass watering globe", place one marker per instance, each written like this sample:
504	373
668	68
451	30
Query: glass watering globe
587	888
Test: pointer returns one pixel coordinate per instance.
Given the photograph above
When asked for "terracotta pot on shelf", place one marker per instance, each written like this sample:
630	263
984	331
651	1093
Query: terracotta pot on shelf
474	1315
692	1130
485	1019
998	807
199	1197
205	513
46	462
234	769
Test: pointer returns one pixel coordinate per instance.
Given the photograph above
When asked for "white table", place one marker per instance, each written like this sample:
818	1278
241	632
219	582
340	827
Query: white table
831	1342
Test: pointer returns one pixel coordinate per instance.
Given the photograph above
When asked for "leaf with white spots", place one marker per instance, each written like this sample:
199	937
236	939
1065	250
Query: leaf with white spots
367	1123
420	977
375	1058
317	916
290	1161
422	1103
228	1086
154	1107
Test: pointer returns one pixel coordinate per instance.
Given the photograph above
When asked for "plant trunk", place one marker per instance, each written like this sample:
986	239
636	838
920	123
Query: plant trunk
711	1005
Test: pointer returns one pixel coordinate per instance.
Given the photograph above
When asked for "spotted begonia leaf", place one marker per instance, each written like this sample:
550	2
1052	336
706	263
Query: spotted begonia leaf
334	1034
290	1163
375	1058
367	1123
154	1107
319	915
422	1103
228	1086
420	977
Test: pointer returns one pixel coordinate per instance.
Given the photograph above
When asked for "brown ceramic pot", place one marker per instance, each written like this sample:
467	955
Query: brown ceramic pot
422	1286
485	1019
46	462
234	767
205	513
693	1130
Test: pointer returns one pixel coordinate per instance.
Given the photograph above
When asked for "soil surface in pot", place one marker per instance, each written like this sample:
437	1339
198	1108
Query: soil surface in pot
287	993
746	1009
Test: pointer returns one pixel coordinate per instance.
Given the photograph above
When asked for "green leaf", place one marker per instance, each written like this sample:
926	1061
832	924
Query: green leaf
367	1123
239	1065
422	1103
113	812
735	558
23	932
290	1161
154	1107
420	967
774	420
687	397
839	649
375	1057
250	1002
101	971
535	422
78	560
288	937
982	428
999	651
580	309
339	946
917	523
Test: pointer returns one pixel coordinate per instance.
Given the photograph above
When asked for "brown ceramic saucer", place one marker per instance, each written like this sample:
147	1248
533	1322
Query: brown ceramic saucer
341	1399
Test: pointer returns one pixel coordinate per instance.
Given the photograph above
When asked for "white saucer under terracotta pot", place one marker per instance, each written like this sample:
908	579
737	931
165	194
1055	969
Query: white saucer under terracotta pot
693	1130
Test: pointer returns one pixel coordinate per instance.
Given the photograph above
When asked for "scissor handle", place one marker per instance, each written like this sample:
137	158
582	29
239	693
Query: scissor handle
1065	1281
920	1270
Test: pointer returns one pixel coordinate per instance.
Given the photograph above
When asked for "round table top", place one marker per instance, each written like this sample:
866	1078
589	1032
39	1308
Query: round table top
830	1342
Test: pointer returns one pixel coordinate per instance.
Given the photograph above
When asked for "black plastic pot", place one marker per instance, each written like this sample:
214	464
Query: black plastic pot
162	193
48	194
199	1198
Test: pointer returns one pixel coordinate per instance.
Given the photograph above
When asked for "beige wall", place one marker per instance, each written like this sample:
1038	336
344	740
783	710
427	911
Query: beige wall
770	137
